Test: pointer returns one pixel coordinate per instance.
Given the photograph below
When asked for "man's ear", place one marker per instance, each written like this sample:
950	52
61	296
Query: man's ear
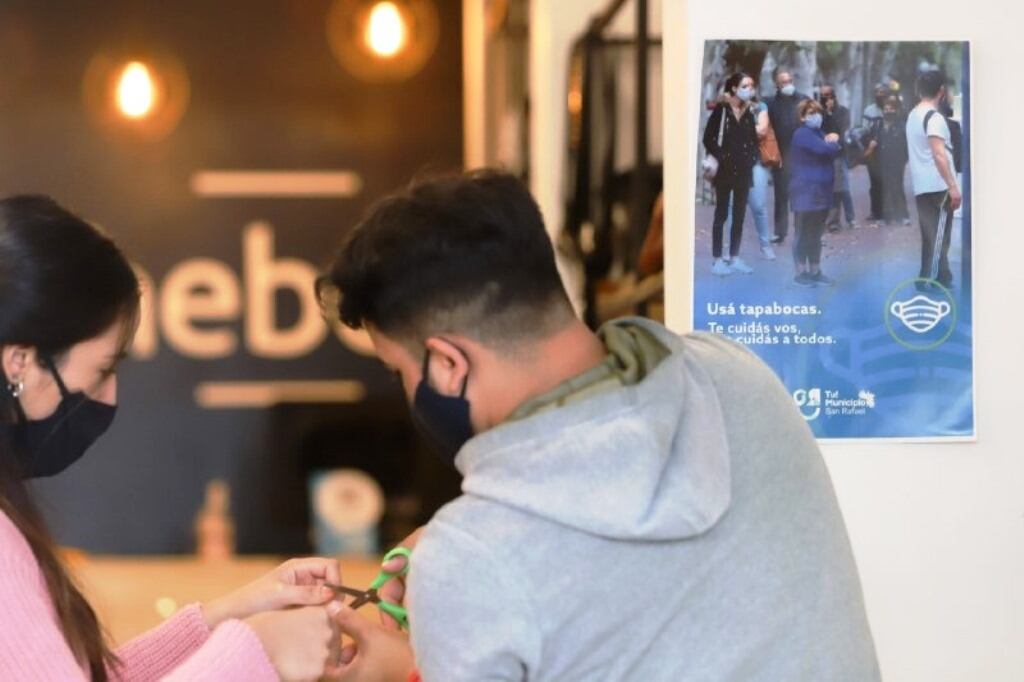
15	361
448	366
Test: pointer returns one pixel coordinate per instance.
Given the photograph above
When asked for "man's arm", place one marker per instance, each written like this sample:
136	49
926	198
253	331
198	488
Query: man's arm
470	619
872	140
941	159
844	120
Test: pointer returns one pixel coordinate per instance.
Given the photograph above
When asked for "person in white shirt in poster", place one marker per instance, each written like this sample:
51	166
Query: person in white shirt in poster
933	175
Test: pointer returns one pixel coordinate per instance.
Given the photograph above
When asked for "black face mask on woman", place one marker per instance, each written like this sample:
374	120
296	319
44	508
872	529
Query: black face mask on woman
48	446
442	420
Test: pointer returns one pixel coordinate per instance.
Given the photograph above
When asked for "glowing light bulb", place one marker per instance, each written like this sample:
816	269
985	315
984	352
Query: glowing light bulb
385	30
136	92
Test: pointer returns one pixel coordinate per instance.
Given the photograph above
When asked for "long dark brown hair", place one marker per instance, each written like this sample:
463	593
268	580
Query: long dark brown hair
62	281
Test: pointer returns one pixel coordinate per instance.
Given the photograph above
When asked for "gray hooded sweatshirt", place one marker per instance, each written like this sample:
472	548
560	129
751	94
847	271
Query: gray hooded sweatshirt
679	528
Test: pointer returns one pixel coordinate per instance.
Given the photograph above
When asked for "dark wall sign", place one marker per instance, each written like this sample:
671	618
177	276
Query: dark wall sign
228	212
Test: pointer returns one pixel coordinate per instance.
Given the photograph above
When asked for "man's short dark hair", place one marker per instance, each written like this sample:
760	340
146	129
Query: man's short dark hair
929	83
464	253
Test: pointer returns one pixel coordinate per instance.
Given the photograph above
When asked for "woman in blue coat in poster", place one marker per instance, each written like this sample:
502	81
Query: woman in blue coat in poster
810	158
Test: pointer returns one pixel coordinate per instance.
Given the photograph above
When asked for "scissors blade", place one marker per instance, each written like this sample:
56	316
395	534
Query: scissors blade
365	598
350	591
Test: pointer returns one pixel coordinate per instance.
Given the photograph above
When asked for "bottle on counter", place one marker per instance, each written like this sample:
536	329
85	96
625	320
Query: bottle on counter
214	528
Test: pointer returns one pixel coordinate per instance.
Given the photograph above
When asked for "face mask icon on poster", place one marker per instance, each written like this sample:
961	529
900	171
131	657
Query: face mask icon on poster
920	314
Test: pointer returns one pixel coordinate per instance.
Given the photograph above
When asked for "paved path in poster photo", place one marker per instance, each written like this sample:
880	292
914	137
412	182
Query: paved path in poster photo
847	256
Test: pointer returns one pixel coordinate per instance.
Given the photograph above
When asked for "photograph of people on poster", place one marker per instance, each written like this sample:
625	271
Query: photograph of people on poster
833	227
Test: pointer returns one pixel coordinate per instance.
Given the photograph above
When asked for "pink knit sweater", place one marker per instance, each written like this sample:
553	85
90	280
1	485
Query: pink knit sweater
32	646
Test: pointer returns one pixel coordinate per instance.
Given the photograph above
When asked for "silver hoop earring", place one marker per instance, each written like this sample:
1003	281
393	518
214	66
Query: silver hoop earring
16	388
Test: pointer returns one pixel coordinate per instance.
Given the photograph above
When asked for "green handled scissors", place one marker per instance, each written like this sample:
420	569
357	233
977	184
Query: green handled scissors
370	595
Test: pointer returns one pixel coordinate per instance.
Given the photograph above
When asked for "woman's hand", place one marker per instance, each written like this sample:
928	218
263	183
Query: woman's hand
302	644
832	137
763	123
376	654
394	590
298	582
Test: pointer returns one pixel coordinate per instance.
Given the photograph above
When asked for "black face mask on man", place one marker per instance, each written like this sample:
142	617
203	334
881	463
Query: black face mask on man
46	447
442	420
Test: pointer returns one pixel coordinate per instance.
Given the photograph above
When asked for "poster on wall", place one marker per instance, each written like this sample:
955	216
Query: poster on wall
833	227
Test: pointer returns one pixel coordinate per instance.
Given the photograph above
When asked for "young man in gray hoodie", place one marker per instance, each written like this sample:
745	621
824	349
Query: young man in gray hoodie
636	505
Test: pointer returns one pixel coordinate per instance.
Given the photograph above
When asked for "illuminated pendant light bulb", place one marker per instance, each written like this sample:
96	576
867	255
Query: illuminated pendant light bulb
386	30
136	92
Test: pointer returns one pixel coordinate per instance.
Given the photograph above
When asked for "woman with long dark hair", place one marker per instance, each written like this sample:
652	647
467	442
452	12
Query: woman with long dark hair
731	137
69	304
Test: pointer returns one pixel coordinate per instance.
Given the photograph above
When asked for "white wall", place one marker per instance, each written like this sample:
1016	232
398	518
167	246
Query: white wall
938	530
